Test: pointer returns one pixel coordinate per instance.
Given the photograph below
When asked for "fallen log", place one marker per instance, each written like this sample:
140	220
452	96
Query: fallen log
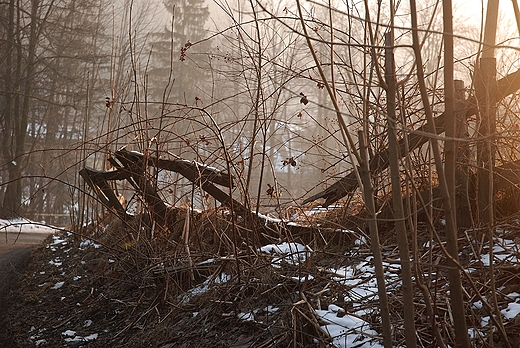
131	166
348	184
202	172
195	172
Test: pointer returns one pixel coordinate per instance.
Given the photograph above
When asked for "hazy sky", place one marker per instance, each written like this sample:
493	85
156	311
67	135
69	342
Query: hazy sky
472	9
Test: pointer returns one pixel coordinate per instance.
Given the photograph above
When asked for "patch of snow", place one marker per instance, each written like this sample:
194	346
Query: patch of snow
57	285
501	252
293	253
321	209
271	309
69	333
20	224
347	330
56	262
84	244
359	241
204	287
303	278
477	305
513	295
71	337
512	310
211	260
58	241
246	316
268	218
474	333
90	337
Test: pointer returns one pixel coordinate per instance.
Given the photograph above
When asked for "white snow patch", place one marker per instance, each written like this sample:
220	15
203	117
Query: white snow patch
268	218
205	262
91	337
359	241
69	333
204	287
57	285
71	337
271	309
293	253
347	330
25	225
58	241
512	310
246	316
321	209
84	244
477	305
56	262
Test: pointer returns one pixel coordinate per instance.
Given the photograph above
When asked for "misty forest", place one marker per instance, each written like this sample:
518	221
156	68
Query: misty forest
258	173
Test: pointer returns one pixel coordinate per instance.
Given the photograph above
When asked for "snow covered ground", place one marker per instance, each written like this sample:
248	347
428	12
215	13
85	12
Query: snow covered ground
24	225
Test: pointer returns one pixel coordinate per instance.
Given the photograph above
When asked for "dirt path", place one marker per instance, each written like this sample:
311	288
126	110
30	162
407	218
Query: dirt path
15	253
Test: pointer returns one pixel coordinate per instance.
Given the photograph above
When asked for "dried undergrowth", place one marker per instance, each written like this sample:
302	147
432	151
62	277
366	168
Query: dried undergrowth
210	291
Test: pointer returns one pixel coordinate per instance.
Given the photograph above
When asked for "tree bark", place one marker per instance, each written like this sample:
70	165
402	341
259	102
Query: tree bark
397	199
368	197
8	208
456	294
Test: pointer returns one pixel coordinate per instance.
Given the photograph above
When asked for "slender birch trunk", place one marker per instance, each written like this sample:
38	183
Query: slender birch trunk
398	209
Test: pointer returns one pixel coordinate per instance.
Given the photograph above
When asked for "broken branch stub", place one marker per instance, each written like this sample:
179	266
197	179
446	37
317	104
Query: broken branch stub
136	168
97	180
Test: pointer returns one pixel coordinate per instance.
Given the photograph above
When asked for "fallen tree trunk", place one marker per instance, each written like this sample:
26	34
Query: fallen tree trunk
131	166
348	184
195	172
